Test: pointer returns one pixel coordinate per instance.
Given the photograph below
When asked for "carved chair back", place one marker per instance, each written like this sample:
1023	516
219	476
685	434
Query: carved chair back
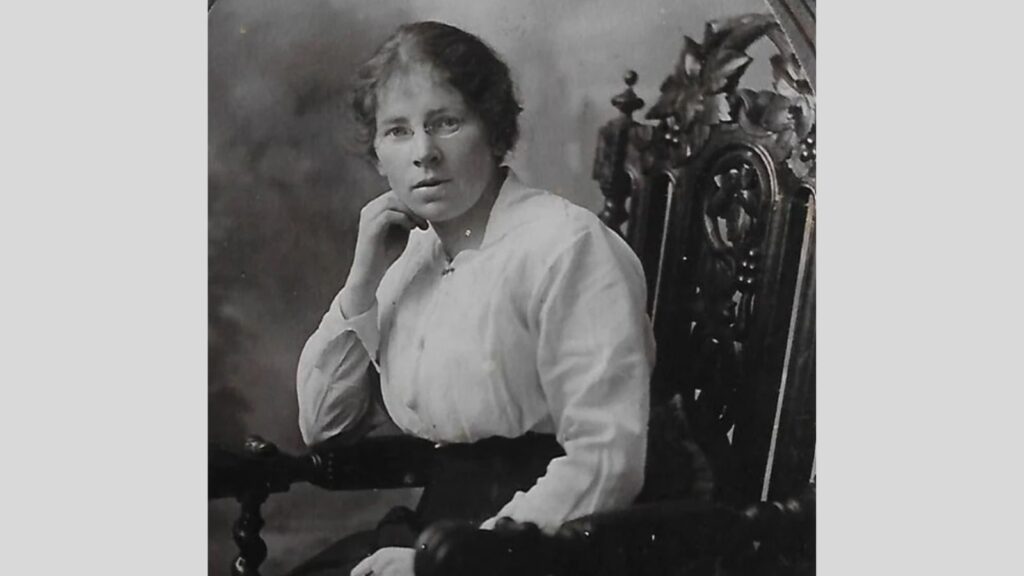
715	191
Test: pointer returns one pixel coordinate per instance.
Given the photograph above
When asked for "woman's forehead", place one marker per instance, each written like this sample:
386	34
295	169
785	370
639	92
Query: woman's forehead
415	86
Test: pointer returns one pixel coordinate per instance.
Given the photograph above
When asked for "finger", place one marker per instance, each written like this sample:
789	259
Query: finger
396	561
364	568
421	223
379	204
417	221
395	218
395	203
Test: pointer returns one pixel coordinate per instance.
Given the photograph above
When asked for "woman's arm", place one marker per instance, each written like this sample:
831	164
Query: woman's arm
595	356
332	381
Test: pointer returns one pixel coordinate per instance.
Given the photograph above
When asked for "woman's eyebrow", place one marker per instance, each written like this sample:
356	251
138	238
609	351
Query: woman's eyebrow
443	110
430	114
394	120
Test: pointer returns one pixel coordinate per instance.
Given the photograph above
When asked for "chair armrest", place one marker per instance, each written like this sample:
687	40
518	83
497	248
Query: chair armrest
260	469
672	537
381	462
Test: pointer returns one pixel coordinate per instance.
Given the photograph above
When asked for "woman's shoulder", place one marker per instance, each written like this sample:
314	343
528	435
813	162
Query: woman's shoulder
546	220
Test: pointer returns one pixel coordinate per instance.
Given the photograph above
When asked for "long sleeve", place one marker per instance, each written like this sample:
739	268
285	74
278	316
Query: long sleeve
595	356
332	381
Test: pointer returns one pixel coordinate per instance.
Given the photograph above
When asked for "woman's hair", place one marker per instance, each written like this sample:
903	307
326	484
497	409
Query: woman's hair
462	60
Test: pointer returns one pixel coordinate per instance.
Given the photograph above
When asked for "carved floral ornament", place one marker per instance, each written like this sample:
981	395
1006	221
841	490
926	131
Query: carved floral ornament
702	92
733	207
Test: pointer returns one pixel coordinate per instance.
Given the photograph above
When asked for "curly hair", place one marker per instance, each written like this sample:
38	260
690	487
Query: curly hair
463	60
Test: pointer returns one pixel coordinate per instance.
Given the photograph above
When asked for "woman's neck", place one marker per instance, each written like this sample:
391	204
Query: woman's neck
466	231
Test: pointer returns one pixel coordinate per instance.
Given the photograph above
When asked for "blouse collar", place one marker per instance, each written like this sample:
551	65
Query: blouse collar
504	216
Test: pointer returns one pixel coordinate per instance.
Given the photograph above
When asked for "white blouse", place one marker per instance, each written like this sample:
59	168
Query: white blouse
542	329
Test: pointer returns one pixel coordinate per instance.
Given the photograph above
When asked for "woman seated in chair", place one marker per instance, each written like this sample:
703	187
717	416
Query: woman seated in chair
488	308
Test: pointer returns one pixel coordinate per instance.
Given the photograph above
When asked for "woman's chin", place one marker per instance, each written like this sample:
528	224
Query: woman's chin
435	212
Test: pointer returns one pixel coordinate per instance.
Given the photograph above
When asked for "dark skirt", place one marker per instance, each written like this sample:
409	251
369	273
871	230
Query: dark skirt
468	482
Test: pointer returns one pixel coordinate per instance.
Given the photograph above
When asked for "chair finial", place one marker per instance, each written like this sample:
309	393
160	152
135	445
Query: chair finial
627	101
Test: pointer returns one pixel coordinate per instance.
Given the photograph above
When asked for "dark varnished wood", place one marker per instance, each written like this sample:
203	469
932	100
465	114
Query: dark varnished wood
609	160
385	462
795	441
252	550
667	538
260	469
797	18
720	222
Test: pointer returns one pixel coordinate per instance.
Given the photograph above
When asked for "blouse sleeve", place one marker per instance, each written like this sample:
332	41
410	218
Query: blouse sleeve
595	356
332	381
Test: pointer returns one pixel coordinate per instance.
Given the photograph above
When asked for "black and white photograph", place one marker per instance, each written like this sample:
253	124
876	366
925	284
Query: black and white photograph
511	287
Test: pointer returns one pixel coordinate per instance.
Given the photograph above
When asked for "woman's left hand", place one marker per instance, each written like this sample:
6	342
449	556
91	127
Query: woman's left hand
387	562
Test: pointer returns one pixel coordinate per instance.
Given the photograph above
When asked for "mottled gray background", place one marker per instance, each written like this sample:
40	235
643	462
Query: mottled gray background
285	187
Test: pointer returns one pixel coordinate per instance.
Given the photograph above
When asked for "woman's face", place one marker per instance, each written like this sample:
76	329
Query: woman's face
433	149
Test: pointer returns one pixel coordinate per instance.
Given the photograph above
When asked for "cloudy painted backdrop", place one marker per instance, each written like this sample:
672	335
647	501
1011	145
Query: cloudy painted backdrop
285	186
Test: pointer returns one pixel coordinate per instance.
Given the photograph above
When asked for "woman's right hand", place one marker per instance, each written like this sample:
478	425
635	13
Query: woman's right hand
384	225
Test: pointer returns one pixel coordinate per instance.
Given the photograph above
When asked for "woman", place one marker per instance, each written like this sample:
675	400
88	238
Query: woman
489	308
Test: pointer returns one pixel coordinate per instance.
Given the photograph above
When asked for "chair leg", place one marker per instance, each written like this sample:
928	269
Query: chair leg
252	549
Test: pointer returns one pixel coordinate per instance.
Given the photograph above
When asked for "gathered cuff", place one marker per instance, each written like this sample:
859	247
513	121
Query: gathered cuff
364	326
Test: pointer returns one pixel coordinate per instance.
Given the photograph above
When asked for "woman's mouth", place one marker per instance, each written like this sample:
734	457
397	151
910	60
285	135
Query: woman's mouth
429	183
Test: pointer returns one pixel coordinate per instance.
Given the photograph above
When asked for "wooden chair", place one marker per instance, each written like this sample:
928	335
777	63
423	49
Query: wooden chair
715	191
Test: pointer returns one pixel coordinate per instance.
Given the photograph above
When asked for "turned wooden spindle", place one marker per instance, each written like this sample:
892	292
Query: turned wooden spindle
252	550
610	158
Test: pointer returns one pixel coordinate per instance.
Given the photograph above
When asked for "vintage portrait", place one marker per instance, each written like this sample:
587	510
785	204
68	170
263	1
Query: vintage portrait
511	287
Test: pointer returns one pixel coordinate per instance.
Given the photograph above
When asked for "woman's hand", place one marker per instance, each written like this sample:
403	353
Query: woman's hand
387	562
384	225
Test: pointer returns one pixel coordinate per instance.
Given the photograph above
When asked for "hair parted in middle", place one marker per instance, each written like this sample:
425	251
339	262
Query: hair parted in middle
462	60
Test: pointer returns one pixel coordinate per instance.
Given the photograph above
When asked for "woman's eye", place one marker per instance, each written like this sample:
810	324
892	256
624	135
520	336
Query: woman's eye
396	132
447	125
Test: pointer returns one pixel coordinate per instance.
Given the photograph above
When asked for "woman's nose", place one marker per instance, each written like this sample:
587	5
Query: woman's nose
425	152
